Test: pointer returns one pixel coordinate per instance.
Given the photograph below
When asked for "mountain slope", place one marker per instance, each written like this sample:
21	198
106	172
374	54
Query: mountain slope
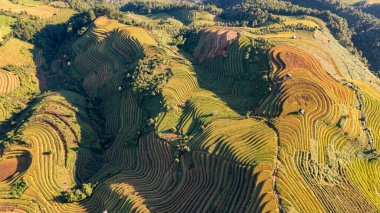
278	118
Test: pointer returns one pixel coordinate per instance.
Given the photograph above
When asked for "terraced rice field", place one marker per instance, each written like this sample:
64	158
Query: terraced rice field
62	16
53	133
43	11
16	52
108	53
31	3
193	17
8	82
250	131
365	175
308	141
146	186
245	141
321	99
18	81
371	112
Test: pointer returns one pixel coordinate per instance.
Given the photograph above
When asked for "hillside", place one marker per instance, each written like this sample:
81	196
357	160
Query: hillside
181	109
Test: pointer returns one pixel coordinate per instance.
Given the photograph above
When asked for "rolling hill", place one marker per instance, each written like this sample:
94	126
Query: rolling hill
133	115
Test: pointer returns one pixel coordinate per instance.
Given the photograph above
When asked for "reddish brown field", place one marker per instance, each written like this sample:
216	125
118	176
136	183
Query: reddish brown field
8	167
215	43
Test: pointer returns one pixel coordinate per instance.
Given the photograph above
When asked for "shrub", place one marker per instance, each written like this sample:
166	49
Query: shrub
78	193
18	189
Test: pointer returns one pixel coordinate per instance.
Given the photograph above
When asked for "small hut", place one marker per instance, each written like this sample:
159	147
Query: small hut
288	76
301	111
182	105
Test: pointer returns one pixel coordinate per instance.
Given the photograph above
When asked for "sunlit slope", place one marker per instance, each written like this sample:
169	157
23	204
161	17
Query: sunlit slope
50	131
186	105
18	82
17	53
246	141
309	135
103	52
8	81
40	9
371	102
241	122
101	57
157	184
6	23
318	123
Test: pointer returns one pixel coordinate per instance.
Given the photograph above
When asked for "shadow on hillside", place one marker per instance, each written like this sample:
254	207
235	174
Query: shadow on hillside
52	78
204	80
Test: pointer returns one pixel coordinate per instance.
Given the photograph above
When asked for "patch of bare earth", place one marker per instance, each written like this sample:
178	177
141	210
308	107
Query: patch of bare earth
10	166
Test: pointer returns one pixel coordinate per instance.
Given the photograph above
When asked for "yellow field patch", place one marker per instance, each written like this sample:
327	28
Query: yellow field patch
8	82
16	52
43	11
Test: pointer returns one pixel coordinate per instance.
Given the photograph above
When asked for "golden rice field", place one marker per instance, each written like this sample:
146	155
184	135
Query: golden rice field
309	139
235	128
371	112
52	133
44	11
39	9
18	81
8	82
16	52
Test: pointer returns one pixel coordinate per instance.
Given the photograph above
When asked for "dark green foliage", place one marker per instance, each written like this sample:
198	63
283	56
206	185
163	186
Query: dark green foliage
167	7
98	145
373	9
78	193
342	121
366	28
82	5
26	27
257	13
18	189
77	22
18	99
338	17
191	40
45	35
106	10
145	80
51	37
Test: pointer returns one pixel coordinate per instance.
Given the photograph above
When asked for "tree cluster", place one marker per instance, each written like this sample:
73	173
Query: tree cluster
78	193
18	189
144	80
365	27
149	7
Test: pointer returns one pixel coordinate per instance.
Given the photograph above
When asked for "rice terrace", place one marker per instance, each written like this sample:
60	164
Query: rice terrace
189	106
